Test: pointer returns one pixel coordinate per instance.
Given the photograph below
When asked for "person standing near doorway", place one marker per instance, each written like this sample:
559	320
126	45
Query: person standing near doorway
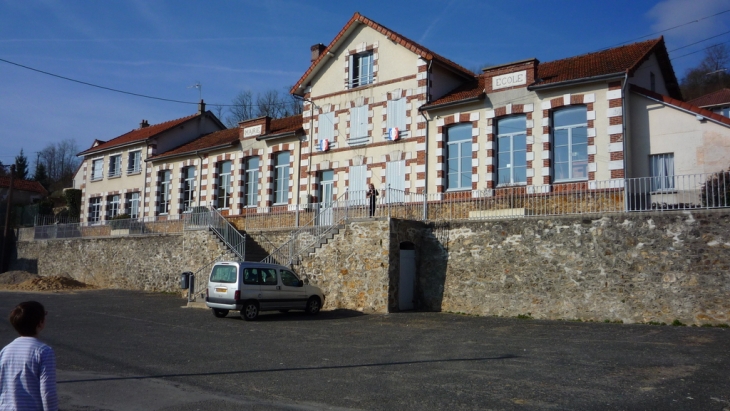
28	366
372	194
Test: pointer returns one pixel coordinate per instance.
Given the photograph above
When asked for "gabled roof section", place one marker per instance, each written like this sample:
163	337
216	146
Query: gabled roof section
285	125
23	185
137	135
611	62
717	98
216	140
682	105
411	45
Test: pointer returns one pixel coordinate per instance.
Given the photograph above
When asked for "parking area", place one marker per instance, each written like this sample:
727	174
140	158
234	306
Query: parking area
123	350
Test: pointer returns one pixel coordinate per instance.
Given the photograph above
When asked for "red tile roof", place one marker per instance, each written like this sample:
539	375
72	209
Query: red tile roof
222	138
285	125
624	59
138	135
717	98
393	36
682	104
23	185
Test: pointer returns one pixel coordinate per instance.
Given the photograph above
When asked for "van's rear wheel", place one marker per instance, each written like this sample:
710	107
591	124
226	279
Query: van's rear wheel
313	305
250	311
220	313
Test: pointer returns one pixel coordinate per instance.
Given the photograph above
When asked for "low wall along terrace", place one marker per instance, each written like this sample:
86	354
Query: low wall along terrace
643	267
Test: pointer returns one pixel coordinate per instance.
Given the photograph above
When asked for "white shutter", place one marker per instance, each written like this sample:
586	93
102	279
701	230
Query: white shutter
395	180
356	186
327	127
362	118
396	113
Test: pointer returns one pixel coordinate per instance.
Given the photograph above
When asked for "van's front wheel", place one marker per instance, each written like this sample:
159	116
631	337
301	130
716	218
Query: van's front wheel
250	311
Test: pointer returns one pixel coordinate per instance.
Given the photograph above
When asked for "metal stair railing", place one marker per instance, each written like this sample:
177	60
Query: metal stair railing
325	220
234	240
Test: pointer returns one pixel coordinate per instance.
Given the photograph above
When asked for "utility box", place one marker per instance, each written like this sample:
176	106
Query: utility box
186	280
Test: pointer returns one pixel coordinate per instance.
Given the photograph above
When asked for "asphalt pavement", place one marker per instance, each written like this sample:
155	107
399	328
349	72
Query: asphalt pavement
124	350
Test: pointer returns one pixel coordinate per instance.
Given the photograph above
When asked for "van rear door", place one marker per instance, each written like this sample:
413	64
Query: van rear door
223	283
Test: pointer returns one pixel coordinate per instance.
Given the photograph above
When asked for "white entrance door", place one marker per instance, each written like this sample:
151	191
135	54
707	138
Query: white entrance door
395	180
326	183
407	283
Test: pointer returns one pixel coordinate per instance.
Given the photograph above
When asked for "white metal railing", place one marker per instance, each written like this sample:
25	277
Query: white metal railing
233	238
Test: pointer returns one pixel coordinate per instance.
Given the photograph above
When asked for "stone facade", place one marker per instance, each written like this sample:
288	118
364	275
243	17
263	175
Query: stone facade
626	267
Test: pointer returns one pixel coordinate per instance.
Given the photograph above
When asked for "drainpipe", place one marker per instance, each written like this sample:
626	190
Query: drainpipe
425	167
144	186
627	150
200	176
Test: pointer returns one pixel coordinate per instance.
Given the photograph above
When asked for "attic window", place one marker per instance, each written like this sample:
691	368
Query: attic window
361	69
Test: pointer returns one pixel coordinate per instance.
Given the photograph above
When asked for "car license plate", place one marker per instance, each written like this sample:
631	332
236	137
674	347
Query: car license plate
221	289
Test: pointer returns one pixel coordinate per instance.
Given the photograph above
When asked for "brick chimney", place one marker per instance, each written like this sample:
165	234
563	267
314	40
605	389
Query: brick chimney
317	50
144	124
201	107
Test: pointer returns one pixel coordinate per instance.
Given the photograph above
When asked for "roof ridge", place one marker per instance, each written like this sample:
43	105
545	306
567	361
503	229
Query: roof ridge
609	49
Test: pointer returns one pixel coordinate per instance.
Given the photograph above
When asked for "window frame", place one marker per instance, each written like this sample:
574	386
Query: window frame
115	165
225	185
251	182
188	189
100	168
511	150
570	144
281	178
94	210
113	206
132	204
165	186
134	162
459	145
664	181
361	74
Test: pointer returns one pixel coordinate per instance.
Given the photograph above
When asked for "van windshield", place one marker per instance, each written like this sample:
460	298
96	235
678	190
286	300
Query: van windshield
223	274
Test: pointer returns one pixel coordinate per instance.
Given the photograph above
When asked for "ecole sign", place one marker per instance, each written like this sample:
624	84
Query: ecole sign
518	78
252	131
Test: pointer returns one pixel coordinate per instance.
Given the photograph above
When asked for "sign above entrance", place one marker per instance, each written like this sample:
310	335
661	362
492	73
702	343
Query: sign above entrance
517	78
252	131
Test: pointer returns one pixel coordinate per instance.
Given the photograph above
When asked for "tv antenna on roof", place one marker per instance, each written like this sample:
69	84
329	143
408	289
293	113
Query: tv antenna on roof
199	87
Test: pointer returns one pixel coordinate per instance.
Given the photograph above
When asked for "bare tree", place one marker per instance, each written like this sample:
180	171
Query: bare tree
60	162
270	103
241	109
710	75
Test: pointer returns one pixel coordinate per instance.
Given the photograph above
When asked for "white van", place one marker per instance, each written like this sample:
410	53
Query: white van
251	287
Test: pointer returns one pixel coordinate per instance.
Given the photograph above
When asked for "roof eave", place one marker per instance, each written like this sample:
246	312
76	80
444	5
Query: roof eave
279	135
133	143
187	153
566	83
705	117
454	103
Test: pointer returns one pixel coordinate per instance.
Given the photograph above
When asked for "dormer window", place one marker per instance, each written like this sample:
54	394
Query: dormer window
361	69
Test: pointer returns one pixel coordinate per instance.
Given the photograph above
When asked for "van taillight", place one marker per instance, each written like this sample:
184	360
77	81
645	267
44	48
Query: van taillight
237	295
206	293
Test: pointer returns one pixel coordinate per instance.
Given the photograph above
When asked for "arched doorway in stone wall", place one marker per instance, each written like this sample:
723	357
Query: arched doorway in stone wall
407	277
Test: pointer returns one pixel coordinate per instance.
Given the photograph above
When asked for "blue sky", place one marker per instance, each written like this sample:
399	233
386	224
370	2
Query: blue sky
161	48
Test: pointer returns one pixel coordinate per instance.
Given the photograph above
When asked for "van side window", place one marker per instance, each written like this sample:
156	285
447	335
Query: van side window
223	274
269	277
289	279
251	276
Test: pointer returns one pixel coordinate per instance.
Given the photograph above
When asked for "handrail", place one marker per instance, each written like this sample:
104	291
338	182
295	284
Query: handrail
233	238
325	220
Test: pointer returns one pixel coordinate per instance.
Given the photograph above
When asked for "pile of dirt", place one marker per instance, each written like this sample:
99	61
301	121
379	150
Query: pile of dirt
25	281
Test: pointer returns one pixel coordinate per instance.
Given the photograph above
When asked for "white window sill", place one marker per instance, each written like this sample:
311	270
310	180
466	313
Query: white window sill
574	180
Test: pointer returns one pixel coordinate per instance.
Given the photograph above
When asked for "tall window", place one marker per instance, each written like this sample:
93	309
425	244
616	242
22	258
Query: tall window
225	184
458	153
570	138
97	169
134	162
361	69
395	181
112	206
326	127
251	183
115	165
662	172
188	191
94	209
359	122
132	206
281	179
357	185
164	192
511	150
